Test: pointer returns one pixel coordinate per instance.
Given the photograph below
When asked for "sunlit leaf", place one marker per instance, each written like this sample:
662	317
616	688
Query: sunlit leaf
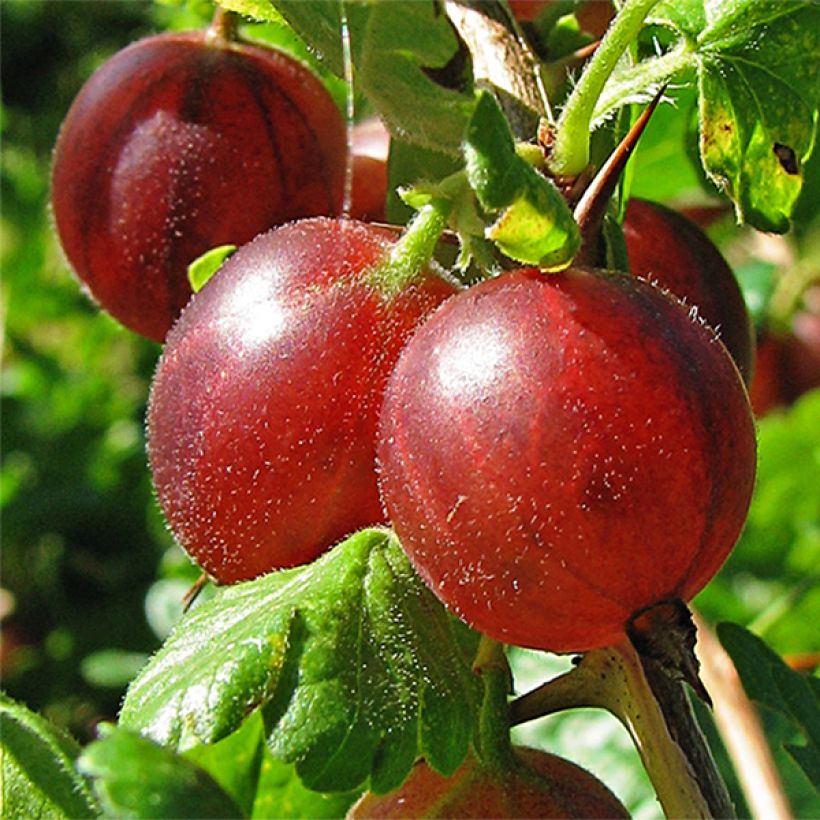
758	65
358	666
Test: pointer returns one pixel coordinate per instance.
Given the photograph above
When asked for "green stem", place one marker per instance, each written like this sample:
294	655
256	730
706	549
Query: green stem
494	745
414	250
614	679
570	151
644	76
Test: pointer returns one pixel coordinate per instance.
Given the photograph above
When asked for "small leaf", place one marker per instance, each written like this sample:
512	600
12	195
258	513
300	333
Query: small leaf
134	777
360	669
37	768
535	225
768	680
205	266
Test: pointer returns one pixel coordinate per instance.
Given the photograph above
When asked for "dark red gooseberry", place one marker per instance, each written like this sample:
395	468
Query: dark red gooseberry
540	785
561	451
179	143
369	188
670	250
263	411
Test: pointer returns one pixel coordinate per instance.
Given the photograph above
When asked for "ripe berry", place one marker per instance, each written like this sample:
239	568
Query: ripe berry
179	143
559	452
541	785
670	250
263	411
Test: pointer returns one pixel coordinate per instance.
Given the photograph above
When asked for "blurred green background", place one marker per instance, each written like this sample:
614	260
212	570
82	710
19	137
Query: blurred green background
91	580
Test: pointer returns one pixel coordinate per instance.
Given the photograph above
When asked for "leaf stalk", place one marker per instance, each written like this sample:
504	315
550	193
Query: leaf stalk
570	149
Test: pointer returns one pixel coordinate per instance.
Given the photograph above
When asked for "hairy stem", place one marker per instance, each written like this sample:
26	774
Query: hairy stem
642	78
615	679
494	747
570	150
414	250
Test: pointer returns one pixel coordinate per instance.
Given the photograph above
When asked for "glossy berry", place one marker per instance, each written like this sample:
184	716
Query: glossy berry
670	250
179	143
263	410
542	785
561	451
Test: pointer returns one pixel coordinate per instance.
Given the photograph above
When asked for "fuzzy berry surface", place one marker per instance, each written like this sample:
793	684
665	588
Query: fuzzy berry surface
177	144
264	408
560	451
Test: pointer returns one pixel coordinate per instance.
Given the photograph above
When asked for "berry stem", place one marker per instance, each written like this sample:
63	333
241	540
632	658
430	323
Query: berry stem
494	746
224	26
614	679
413	252
570	150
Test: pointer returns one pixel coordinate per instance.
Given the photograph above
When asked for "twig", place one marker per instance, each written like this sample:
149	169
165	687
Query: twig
739	725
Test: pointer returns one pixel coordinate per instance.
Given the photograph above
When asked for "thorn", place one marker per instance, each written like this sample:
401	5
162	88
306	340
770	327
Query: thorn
193	593
591	207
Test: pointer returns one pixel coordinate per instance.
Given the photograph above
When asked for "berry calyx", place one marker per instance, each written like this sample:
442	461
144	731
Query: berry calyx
559	452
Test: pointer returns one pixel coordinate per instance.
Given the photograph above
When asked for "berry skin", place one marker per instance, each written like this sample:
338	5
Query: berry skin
263	411
541	785
560	451
179	143
670	250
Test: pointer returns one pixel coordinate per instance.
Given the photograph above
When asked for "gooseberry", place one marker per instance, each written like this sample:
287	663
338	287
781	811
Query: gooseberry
672	251
538	784
263	410
559	452
179	143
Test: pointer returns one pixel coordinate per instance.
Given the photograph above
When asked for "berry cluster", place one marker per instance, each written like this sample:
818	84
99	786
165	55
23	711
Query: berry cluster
556	451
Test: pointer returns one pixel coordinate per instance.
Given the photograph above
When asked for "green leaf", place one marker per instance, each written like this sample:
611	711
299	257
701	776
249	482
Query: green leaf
235	762
243	766
406	60
768	681
134	777
255	9
409	164
406	45
281	794
205	266
37	768
758	75
319	24
360	668
535	225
